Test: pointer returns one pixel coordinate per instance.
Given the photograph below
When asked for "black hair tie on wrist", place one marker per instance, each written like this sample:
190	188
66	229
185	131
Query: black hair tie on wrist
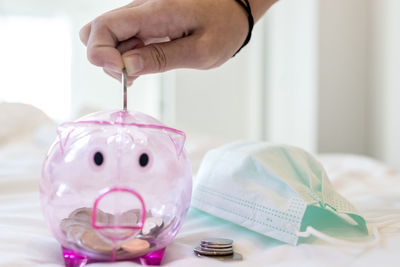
251	22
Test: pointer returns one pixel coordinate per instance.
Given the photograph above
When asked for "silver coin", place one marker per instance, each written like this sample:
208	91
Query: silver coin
215	246
234	257
217	241
212	253
152	226
230	249
103	218
81	214
85	215
66	223
75	232
130	217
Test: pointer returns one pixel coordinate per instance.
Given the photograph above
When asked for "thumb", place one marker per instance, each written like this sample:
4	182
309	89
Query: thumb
160	57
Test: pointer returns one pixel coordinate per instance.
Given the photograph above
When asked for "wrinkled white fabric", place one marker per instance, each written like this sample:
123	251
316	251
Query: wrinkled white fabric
26	240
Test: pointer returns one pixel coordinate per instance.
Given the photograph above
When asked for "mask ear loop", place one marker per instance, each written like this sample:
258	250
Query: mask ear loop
385	218
386	223
329	239
377	213
378	224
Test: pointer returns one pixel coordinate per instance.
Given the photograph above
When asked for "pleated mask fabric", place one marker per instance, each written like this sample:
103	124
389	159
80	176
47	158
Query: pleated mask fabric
275	190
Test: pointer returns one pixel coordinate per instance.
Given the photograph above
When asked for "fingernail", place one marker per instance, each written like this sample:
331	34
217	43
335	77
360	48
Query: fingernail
133	64
112	67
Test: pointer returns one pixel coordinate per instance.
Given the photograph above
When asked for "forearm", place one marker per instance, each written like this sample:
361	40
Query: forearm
259	7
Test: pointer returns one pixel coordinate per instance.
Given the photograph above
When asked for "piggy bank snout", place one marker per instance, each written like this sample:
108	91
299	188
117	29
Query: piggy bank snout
119	213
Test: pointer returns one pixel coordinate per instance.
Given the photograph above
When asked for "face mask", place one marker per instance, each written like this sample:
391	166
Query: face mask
279	191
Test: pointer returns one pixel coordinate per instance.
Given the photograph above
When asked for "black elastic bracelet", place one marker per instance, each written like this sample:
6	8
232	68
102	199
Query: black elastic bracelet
251	22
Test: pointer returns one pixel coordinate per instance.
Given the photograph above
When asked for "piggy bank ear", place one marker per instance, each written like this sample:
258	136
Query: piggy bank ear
63	134
178	139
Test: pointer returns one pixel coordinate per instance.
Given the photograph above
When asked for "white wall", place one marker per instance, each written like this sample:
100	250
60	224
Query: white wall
343	75
225	102
291	73
268	91
91	89
384	80
212	102
329	81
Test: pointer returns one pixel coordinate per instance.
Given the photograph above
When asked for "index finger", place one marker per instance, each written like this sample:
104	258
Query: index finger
106	32
85	31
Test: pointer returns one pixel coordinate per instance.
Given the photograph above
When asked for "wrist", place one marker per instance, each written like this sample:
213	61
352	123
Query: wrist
245	5
259	7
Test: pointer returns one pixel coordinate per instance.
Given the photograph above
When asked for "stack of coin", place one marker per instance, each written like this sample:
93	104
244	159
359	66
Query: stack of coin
220	248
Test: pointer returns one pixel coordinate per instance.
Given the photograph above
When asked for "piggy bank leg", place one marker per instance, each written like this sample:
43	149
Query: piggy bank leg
73	259
153	258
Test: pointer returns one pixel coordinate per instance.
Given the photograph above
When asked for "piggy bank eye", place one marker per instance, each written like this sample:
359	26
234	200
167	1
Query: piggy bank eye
143	160
98	158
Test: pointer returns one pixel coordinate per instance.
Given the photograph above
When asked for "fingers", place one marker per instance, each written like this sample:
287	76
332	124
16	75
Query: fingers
122	48
110	36
85	31
101	49
117	76
180	53
104	34
130	44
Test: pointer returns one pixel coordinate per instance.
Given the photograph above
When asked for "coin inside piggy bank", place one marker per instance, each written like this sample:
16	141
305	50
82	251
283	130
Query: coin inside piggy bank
116	186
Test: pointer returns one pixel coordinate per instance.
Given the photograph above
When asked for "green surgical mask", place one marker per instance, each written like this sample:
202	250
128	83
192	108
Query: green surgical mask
279	191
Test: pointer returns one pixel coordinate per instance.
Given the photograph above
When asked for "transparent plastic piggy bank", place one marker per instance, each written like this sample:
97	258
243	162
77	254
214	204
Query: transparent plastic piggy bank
116	186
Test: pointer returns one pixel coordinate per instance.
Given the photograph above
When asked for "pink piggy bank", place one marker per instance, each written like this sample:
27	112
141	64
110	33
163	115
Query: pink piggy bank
116	186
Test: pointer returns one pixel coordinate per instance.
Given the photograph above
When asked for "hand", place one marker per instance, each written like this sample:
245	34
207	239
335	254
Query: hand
149	36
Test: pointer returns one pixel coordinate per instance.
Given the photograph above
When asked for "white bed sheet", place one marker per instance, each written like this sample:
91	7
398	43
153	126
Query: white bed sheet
25	239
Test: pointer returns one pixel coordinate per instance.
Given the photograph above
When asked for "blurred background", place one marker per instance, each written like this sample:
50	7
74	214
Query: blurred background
320	74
